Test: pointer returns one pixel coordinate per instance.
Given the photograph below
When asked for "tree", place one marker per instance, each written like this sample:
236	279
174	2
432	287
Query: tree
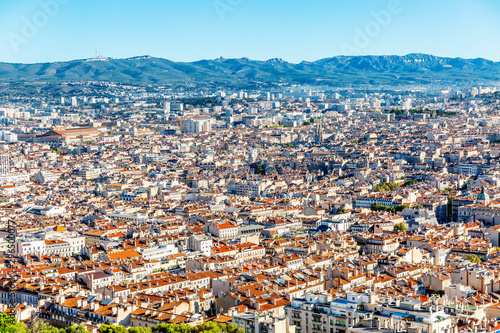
75	329
411	182
399	208
139	330
9	324
400	227
340	210
39	326
474	259
259	169
437	292
207	327
112	329
386	187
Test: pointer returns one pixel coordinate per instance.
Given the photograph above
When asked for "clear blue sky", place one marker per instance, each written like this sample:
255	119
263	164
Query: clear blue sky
295	30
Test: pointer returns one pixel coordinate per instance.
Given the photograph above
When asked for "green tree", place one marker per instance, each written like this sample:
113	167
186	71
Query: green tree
112	329
40	326
474	259
75	329
340	210
411	182
259	169
386	187
400	227
9	324
139	330
399	208
173	328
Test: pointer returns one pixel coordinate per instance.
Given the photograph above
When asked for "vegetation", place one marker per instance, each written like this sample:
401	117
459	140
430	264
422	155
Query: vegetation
386	187
411	182
339	71
464	186
208	327
400	227
8	324
340	210
259	169
398	208
474	259
437	292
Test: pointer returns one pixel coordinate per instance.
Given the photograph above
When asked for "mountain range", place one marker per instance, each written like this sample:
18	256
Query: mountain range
412	69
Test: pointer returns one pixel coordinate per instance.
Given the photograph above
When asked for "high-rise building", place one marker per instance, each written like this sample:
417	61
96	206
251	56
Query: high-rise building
196	125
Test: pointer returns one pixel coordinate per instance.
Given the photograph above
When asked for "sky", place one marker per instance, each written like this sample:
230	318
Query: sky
33	31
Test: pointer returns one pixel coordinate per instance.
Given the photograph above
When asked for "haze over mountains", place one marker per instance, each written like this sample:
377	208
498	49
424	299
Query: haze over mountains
412	69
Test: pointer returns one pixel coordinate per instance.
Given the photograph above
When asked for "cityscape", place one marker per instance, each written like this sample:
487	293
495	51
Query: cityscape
356	193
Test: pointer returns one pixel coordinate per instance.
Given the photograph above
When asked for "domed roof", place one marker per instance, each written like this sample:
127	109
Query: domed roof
483	195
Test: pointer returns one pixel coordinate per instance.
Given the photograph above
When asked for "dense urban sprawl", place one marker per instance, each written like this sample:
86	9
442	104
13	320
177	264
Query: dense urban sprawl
290	211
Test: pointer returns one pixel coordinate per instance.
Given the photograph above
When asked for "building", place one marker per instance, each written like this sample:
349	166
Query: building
255	322
43	177
200	243
365	312
4	165
57	137
196	125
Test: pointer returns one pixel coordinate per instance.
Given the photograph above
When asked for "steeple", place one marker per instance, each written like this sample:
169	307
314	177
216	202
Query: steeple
319	133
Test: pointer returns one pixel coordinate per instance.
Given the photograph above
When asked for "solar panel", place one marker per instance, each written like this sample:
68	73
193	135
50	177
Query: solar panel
107	301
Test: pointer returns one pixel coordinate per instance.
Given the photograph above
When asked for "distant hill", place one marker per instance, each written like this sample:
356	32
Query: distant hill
341	70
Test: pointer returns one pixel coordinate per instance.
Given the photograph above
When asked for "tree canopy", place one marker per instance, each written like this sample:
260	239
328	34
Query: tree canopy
399	208
474	259
400	227
8	324
386	187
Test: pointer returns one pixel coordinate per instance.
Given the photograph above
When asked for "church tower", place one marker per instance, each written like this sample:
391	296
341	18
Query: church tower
318	138
483	197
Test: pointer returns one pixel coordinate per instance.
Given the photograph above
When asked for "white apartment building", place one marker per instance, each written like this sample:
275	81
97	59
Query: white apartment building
30	246
159	252
197	125
200	243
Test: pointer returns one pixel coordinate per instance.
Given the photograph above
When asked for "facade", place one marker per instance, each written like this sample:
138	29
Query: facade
197	125
4	164
255	322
